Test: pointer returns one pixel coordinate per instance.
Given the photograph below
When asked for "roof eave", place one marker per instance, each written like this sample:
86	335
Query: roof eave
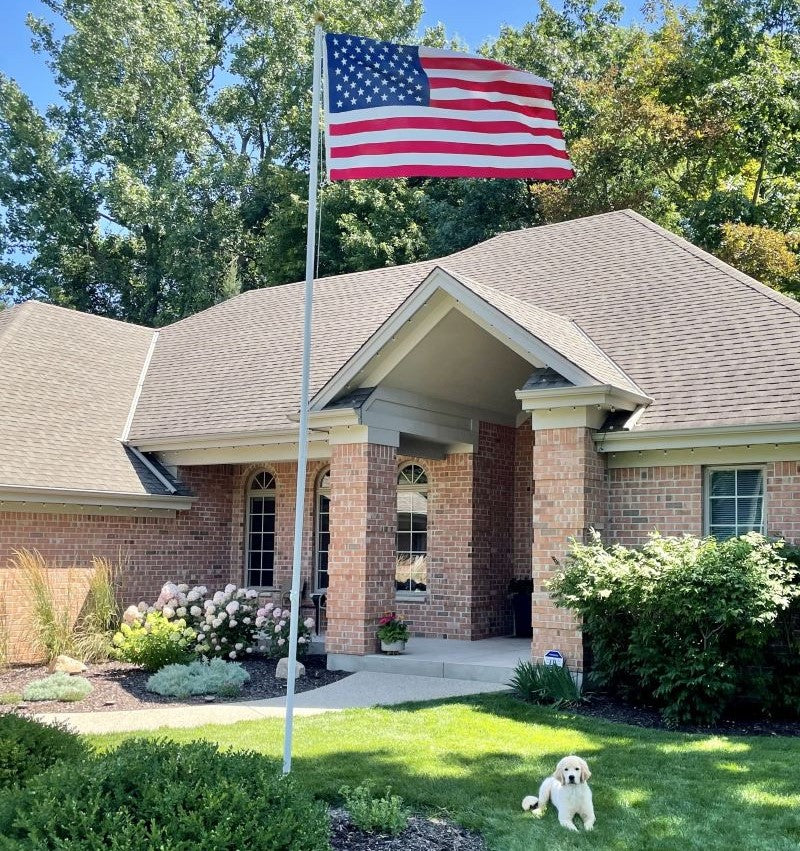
110	499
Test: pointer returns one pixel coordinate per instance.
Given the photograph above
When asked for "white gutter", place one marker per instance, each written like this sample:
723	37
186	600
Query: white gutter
64	496
692	438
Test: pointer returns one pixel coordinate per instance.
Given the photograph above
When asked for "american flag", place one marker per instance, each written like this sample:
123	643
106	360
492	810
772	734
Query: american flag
394	110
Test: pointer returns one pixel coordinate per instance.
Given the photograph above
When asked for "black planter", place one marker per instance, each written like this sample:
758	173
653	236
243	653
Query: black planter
519	592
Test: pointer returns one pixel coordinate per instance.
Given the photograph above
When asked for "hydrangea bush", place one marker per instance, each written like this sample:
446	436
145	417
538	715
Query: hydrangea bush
274	624
225	624
152	640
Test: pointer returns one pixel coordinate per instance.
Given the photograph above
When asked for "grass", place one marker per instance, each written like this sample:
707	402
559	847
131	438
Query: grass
474	759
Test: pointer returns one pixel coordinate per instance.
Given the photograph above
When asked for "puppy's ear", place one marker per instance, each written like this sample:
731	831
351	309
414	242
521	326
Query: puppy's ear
585	773
559	773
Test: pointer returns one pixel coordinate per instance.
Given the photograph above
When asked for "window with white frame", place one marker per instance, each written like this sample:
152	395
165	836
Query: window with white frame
260	544
322	531
734	501
412	530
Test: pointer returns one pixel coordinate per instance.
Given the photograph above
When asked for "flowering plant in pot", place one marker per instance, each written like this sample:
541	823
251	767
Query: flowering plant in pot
393	633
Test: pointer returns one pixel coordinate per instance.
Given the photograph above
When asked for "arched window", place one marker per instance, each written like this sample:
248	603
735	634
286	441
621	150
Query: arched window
412	529
322	531
260	555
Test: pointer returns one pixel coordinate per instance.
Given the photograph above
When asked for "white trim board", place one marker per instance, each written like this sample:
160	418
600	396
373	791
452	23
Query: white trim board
705	455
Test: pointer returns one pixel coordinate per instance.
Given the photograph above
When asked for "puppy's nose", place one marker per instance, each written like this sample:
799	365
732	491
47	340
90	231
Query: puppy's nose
571	779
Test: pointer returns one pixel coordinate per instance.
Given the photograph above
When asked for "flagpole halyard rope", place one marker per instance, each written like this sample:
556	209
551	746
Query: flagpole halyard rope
302	447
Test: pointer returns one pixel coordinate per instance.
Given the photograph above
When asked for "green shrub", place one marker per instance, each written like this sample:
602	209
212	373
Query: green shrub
684	621
155	642
58	686
546	684
151	794
10	698
29	747
386	814
214	677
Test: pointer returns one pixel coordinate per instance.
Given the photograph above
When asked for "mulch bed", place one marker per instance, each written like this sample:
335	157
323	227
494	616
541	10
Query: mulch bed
614	709
422	834
117	685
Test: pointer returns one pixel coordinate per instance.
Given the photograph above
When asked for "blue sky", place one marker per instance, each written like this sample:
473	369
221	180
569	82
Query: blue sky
472	20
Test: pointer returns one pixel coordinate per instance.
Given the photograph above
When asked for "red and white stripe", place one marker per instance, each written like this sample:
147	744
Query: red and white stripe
485	119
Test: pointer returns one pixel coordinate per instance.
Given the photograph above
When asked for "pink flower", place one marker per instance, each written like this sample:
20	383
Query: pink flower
276	612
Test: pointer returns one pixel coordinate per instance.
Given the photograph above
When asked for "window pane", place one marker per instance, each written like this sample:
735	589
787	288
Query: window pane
256	505
723	483
419	543
255	542
748	513
723	511
419	522
404	521
750	482
723	532
268	523
255	522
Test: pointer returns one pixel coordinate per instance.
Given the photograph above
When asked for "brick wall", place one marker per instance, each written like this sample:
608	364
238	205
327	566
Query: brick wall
782	488
493	529
568	498
641	499
193	546
446	608
363	518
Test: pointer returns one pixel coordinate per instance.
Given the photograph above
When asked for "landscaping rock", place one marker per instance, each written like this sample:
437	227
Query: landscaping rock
66	665
282	671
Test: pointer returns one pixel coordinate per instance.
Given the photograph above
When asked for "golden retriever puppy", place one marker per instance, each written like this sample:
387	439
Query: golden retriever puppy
569	791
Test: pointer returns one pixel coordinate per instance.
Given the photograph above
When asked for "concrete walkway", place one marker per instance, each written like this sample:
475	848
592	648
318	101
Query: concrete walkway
362	689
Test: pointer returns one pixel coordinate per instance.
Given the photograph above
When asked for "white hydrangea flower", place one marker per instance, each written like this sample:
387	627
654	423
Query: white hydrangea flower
232	622
309	622
183	588
196	611
249	649
232	607
230	588
277	630
239	646
193	596
232	654
247	620
281	641
168	612
181	612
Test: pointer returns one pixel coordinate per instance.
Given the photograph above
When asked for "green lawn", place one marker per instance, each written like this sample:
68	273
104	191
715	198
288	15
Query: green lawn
474	759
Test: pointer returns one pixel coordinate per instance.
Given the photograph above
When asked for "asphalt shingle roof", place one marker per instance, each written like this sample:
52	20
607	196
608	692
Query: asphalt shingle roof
711	346
66	385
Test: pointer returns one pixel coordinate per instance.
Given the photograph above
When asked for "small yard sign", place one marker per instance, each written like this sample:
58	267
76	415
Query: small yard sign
554	657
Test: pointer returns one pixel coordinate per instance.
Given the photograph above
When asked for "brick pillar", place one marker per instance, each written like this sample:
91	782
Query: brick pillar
568	499
362	551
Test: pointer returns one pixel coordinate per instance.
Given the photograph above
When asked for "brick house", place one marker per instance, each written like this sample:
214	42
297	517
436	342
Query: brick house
469	416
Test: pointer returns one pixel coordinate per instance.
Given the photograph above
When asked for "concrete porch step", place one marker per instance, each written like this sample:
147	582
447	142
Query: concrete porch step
492	660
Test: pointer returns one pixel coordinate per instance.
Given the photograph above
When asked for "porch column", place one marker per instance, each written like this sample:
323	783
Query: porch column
568	500
363	518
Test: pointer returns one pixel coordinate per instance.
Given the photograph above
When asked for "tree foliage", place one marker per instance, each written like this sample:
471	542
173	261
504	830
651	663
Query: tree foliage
173	171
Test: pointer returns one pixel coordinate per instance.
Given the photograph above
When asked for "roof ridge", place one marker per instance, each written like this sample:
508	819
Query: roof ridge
317	281
706	256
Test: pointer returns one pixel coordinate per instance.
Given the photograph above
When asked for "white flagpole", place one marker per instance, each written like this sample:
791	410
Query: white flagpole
302	453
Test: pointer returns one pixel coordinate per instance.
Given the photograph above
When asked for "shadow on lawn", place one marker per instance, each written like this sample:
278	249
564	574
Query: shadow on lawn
652	789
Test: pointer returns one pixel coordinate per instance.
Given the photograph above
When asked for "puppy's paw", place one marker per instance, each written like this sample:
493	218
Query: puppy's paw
569	826
588	825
